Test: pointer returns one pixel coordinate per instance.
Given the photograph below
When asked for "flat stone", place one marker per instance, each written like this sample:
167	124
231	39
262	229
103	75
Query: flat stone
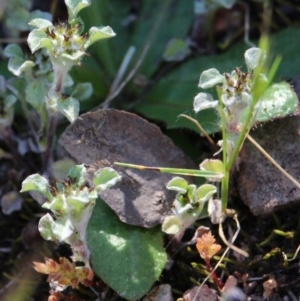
98	139
261	185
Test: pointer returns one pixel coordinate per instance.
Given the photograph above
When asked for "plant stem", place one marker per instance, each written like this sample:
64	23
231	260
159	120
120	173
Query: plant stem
47	156
217	281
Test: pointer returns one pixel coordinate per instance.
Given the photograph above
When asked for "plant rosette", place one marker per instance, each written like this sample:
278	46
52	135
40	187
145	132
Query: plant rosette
72	203
66	45
188	204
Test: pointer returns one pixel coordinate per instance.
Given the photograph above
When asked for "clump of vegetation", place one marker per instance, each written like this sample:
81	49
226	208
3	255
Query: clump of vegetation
47	87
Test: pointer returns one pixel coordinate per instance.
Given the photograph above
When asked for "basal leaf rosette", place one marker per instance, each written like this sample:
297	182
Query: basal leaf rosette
72	203
188	204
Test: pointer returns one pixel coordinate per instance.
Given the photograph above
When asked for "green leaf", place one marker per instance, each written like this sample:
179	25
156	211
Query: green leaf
55	230
279	100
176	50
212	165
35	94
83	91
69	107
99	33
254	57
210	78
205	192
78	174
172	225
178	184
37	14
105	178
203	101
174	93
13	50
40	23
75	6
36	182
129	259
38	39
18	65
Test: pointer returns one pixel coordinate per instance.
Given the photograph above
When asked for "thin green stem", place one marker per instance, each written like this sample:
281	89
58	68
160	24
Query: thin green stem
225	180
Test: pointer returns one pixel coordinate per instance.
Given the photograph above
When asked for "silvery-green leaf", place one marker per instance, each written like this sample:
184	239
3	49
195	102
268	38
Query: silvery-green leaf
78	173
83	91
13	50
205	192
178	184
35	94
105	178
55	230
172	225
69	107
38	183
17	65
40	23
254	57
74	57
68	81
204	101
209	78
38	39
99	33
37	14
75	6
213	165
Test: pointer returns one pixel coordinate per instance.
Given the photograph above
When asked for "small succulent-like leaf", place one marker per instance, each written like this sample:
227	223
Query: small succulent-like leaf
36	182
55	230
99	33
57	206
69	107
77	205
105	178
178	184
40	23
205	192
172	225
254	57
78	174
203	101
13	50
213	165
75	6
38	39
209	78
